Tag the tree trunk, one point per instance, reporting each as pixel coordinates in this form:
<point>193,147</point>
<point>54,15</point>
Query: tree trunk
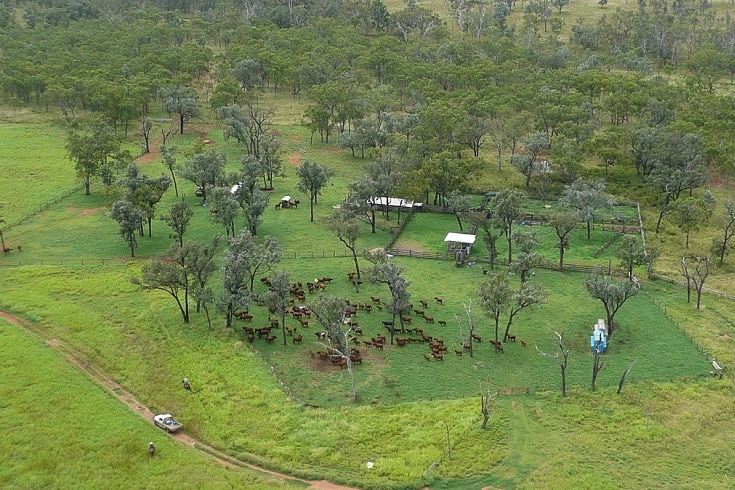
<point>596,368</point>
<point>228,317</point>
<point>209,320</point>
<point>283,324</point>
<point>510,247</point>
<point>561,257</point>
<point>485,412</point>
<point>357,263</point>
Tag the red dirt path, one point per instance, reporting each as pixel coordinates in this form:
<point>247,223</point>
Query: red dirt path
<point>101,379</point>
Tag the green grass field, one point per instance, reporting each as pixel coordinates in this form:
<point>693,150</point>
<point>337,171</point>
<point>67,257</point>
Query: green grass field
<point>63,431</point>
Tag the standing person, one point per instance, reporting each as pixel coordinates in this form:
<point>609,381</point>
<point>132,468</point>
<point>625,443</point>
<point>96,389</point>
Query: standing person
<point>186,384</point>
<point>151,449</point>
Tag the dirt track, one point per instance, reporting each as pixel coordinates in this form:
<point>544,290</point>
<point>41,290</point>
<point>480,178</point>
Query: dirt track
<point>128,399</point>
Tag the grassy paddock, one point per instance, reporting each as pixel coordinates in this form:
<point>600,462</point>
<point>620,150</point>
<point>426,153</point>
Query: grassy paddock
<point>33,155</point>
<point>408,404</point>
<point>67,433</point>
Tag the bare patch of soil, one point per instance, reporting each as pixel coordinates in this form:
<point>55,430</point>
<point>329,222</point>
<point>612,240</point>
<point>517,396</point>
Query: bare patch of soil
<point>410,245</point>
<point>154,144</point>
<point>122,395</point>
<point>294,159</point>
<point>87,212</point>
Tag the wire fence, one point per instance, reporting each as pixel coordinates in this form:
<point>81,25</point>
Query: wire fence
<point>706,353</point>
<point>43,207</point>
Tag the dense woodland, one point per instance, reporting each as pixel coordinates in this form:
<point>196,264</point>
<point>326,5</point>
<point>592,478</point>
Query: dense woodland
<point>644,89</point>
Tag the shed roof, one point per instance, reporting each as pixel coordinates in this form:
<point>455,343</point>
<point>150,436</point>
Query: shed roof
<point>460,238</point>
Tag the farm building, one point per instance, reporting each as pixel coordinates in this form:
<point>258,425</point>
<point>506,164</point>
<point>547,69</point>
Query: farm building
<point>459,242</point>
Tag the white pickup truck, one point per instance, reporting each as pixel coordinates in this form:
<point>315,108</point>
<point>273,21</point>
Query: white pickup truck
<point>167,422</point>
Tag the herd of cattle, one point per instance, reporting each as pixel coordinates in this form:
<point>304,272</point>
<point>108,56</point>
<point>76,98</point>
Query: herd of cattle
<point>409,334</point>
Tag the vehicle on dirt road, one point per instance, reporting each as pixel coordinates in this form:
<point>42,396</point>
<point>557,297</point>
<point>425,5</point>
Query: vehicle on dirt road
<point>167,422</point>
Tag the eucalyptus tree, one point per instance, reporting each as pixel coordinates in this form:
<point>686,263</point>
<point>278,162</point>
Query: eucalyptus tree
<point>145,130</point>
<point>271,157</point>
<point>385,176</point>
<point>691,213</point>
<point>526,259</point>
<point>613,294</point>
<point>223,208</point>
<point>169,160</point>
<point>250,125</point>
<point>527,163</point>
<point>460,203</point>
<point>505,207</point>
<point>205,170</point>
<point>562,357</point>
<point>386,271</point>
<point>563,223</point>
<point>254,212</point>
<point>178,219</point>
<point>539,8</point>
<point>199,261</point>
<point>246,192</point>
<point>129,217</point>
<point>481,221</point>
<point>145,192</point>
<point>249,73</point>
<point>496,297</point>
<point>331,313</point>
<point>361,200</point>
<point>379,15</point>
<point>697,276</point>
<point>587,197</point>
<point>168,276</point>
<point>631,253</point>
<point>525,296</point>
<point>312,178</point>
<point>257,258</point>
<point>227,93</point>
<point>235,294</point>
<point>181,100</point>
<point>414,20</point>
<point>278,297</point>
<point>92,151</point>
<point>726,224</point>
<point>644,142</point>
<point>680,166</point>
<point>345,225</point>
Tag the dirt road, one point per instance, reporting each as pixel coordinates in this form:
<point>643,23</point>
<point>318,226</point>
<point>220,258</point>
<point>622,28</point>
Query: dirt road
<point>128,399</point>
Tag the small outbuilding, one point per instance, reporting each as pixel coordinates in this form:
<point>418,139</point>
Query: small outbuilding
<point>459,242</point>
